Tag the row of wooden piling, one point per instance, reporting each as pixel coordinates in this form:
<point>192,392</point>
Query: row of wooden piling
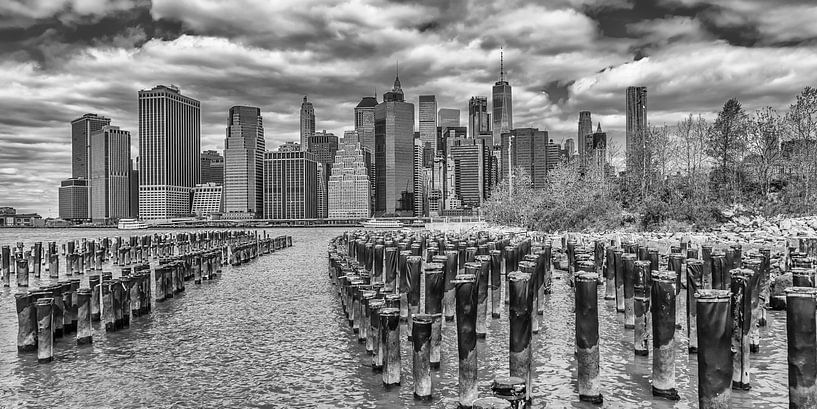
<point>727,293</point>
<point>57,309</point>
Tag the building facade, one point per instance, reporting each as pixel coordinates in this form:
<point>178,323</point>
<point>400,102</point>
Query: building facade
<point>81,129</point>
<point>207,199</point>
<point>244,163</point>
<point>502,104</point>
<point>110,174</point>
<point>349,187</point>
<point>419,179</point>
<point>467,156</point>
<point>73,199</point>
<point>427,112</point>
<point>364,122</point>
<point>290,185</point>
<point>323,145</point>
<point>636,153</point>
<point>479,119</point>
<point>526,149</point>
<point>585,133</point>
<point>307,123</point>
<point>212,168</point>
<point>448,117</point>
<point>394,154</point>
<point>169,148</point>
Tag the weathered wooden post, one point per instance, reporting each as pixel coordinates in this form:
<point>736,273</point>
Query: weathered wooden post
<point>94,282</point>
<point>449,299</point>
<point>520,319</point>
<point>714,326</point>
<point>45,332</point>
<point>742,318</point>
<point>496,283</point>
<point>755,265</point>
<point>628,261</point>
<point>663,330</point>
<point>375,306</point>
<point>390,338</point>
<point>421,367</point>
<point>641,308</point>
<point>466,297</point>
<point>413,272</point>
<point>390,269</point>
<point>5,262</point>
<point>801,338</point>
<point>84,328</point>
<point>587,337</point>
<point>694,284</point>
<point>26,322</point>
<point>483,264</point>
<point>435,288</point>
<point>22,271</point>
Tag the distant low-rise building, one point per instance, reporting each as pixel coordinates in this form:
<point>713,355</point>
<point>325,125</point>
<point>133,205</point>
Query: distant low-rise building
<point>207,199</point>
<point>10,218</point>
<point>73,199</point>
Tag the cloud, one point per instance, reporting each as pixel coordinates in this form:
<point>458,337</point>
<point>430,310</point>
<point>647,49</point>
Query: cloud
<point>67,58</point>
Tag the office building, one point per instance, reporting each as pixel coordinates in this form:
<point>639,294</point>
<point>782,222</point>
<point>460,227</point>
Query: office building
<point>349,187</point>
<point>419,179</point>
<point>364,122</point>
<point>110,174</point>
<point>323,145</point>
<point>570,148</point>
<point>244,148</point>
<point>169,149</point>
<point>637,153</point>
<point>81,129</point>
<point>479,119</point>
<point>526,149</point>
<point>467,155</point>
<point>447,117</point>
<point>134,189</point>
<point>307,123</point>
<point>207,199</point>
<point>585,133</point>
<point>502,102</point>
<point>290,185</point>
<point>427,112</point>
<point>553,155</point>
<point>212,168</point>
<point>600,148</point>
<point>394,154</point>
<point>73,199</point>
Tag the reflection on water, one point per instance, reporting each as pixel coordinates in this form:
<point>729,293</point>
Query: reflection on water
<point>271,334</point>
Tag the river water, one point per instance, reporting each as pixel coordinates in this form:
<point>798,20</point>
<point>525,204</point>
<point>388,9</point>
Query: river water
<point>271,333</point>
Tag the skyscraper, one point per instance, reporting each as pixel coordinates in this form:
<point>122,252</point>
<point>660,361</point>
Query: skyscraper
<point>243,163</point>
<point>526,149</point>
<point>600,148</point>
<point>585,129</point>
<point>448,117</point>
<point>323,145</point>
<point>110,174</point>
<point>637,154</point>
<point>394,153</point>
<point>307,123</point>
<point>419,179</point>
<point>570,148</point>
<point>290,185</point>
<point>349,186</point>
<point>169,147</point>
<point>212,168</point>
<point>207,199</point>
<point>428,120</point>
<point>502,104</point>
<point>468,158</point>
<point>479,119</point>
<point>364,122</point>
<point>81,129</point>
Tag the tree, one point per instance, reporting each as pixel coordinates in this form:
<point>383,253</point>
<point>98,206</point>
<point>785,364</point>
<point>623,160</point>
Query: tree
<point>725,144</point>
<point>765,130</point>
<point>801,158</point>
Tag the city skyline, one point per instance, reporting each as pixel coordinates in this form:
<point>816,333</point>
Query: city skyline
<point>77,59</point>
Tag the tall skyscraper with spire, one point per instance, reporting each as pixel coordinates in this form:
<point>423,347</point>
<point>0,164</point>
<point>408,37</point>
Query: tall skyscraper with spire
<point>307,123</point>
<point>502,103</point>
<point>394,153</point>
<point>364,122</point>
<point>244,149</point>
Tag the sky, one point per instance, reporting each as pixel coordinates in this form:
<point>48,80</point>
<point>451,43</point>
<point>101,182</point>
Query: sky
<point>60,59</point>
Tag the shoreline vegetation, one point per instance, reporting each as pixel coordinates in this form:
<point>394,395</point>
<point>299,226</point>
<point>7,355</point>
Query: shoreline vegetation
<point>750,175</point>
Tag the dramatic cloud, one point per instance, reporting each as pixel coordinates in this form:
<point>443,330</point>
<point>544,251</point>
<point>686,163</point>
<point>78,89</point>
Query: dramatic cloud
<point>61,59</point>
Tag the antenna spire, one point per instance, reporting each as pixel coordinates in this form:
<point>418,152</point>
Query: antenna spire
<point>501,64</point>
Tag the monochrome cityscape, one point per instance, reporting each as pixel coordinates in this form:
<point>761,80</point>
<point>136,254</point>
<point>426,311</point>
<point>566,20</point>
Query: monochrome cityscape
<point>395,160</point>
